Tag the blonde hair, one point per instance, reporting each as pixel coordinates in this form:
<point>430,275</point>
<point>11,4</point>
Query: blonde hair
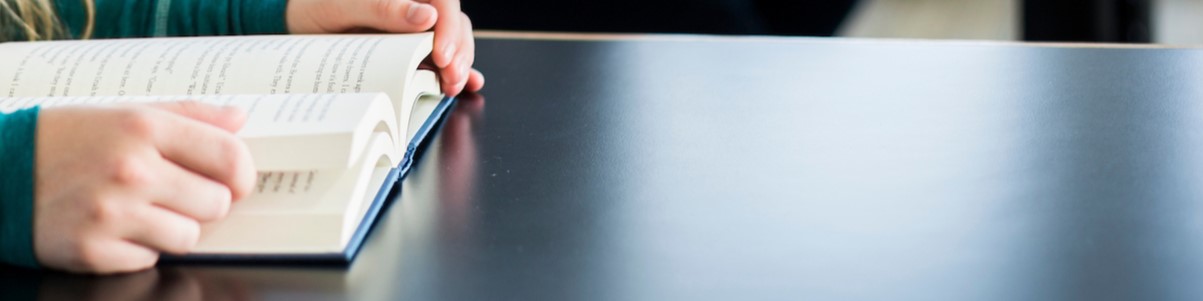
<point>37,20</point>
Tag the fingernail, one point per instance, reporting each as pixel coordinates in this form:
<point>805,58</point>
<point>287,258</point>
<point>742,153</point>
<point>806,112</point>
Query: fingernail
<point>417,14</point>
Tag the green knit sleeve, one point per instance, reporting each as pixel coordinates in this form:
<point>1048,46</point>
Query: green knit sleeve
<point>156,18</point>
<point>17,133</point>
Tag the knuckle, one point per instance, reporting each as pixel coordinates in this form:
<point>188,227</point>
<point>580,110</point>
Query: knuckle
<point>137,122</point>
<point>103,211</point>
<point>131,172</point>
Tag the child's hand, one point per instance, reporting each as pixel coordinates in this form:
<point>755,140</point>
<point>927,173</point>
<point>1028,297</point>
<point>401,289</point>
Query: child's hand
<point>454,49</point>
<point>117,185</point>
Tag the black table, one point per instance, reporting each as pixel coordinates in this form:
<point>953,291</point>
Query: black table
<point>671,168</point>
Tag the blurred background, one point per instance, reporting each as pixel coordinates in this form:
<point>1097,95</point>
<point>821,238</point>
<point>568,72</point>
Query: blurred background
<point>1124,21</point>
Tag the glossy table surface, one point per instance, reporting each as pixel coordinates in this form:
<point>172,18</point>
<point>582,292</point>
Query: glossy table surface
<point>759,168</point>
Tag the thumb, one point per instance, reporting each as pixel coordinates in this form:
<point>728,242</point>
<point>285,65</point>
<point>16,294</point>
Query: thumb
<point>393,15</point>
<point>229,118</point>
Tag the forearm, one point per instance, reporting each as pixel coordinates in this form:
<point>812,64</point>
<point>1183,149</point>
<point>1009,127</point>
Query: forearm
<point>17,133</point>
<point>149,18</point>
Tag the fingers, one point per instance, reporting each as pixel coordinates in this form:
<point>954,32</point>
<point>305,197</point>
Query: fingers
<point>476,81</point>
<point>226,117</point>
<point>454,48</point>
<point>204,149</point>
<point>467,53</point>
<point>179,201</point>
<point>190,194</point>
<point>456,74</point>
<point>447,32</point>
<point>131,181</point>
<point>171,233</point>
<point>123,256</point>
<point>395,15</point>
<point>110,256</point>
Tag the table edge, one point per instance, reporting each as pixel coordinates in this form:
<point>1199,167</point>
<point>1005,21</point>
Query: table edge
<point>579,36</point>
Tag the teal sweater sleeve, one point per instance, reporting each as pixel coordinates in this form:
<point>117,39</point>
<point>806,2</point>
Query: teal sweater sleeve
<point>156,18</point>
<point>17,133</point>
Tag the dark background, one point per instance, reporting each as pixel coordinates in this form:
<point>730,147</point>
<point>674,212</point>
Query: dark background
<point>1043,20</point>
<point>813,18</point>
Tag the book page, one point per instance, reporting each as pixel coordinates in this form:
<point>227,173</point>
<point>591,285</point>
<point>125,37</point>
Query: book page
<point>191,66</point>
<point>302,211</point>
<point>283,132</point>
<point>425,95</point>
<point>291,225</point>
<point>278,64</point>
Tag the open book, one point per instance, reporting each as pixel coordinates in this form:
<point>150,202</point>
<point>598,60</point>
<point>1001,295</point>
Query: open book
<point>332,121</point>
